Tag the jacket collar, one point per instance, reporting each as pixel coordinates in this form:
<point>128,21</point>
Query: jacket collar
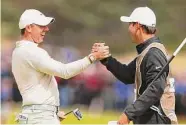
<point>146,43</point>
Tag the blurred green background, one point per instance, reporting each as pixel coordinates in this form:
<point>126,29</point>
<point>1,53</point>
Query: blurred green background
<point>79,23</point>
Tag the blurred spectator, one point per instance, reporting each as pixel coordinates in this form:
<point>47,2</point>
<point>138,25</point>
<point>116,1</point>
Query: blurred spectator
<point>124,94</point>
<point>180,82</point>
<point>66,91</point>
<point>6,75</point>
<point>109,96</point>
<point>92,84</point>
<point>6,88</point>
<point>180,104</point>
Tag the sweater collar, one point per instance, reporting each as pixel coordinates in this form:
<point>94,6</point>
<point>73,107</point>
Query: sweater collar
<point>25,42</point>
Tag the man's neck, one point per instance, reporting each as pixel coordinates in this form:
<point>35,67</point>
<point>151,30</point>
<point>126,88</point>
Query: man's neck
<point>145,37</point>
<point>27,38</point>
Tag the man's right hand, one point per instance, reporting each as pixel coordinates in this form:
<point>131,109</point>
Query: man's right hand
<point>100,51</point>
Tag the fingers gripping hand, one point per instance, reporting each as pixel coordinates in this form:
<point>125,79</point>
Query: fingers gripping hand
<point>101,52</point>
<point>96,46</point>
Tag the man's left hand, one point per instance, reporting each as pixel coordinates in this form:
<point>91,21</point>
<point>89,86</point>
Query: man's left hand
<point>61,115</point>
<point>123,119</point>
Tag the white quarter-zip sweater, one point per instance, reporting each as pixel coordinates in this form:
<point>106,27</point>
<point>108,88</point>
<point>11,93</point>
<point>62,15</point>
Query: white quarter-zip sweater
<point>34,72</point>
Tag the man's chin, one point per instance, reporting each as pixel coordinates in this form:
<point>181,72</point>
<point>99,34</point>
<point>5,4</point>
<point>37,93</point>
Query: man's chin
<point>133,39</point>
<point>40,41</point>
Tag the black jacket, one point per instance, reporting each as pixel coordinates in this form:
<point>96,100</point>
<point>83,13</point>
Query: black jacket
<point>140,111</point>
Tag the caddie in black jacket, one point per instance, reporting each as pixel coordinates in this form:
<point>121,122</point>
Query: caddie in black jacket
<point>140,112</point>
<point>150,106</point>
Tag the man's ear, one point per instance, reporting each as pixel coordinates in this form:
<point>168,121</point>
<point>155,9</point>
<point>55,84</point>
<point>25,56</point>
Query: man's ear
<point>138,25</point>
<point>28,28</point>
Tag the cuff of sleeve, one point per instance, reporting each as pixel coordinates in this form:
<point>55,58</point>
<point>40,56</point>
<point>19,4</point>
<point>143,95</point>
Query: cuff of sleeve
<point>105,60</point>
<point>88,60</point>
<point>129,117</point>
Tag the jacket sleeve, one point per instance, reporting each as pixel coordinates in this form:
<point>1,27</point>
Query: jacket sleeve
<point>155,60</point>
<point>125,73</point>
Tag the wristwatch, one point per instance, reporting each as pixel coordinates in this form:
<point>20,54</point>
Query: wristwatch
<point>91,58</point>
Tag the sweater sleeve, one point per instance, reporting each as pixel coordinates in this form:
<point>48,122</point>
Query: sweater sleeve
<point>44,63</point>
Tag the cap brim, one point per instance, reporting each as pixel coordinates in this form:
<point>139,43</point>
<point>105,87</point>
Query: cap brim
<point>45,21</point>
<point>125,19</point>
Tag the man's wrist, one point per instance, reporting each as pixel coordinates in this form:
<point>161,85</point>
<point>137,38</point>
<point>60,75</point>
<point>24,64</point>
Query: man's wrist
<point>126,117</point>
<point>129,118</point>
<point>105,60</point>
<point>91,58</point>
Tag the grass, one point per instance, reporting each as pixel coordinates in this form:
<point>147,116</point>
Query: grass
<point>88,118</point>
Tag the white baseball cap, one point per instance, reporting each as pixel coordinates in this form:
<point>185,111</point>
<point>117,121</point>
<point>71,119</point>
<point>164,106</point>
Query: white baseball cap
<point>142,15</point>
<point>32,16</point>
